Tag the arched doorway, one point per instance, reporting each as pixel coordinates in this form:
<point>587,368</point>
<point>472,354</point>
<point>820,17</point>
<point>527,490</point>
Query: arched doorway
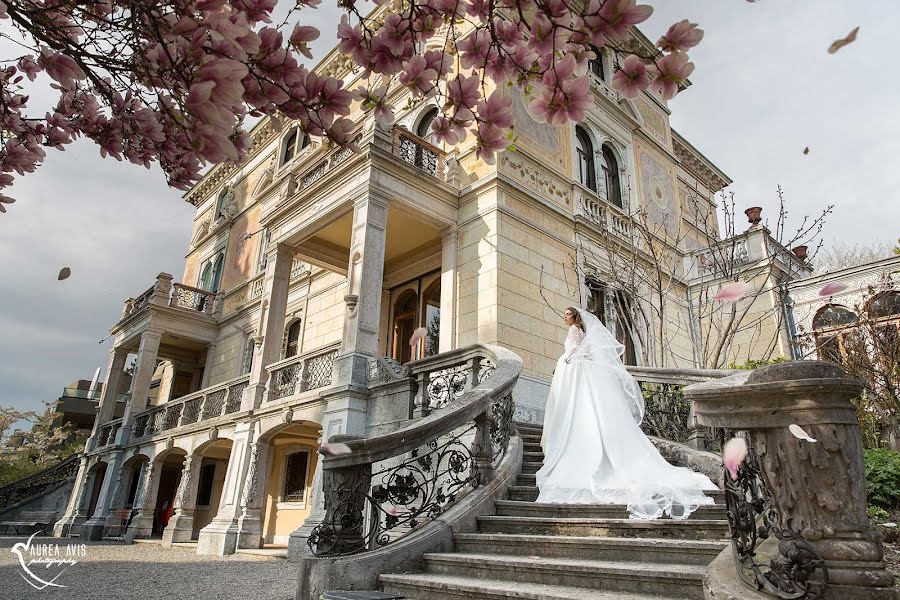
<point>405,323</point>
<point>98,474</point>
<point>291,464</point>
<point>213,465</point>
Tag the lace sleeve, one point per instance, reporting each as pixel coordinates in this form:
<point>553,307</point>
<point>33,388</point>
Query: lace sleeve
<point>573,339</point>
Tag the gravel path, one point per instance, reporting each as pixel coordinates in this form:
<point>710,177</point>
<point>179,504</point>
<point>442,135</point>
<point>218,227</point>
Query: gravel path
<point>149,571</point>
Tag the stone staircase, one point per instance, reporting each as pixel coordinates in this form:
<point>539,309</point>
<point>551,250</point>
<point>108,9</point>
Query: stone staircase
<point>583,552</point>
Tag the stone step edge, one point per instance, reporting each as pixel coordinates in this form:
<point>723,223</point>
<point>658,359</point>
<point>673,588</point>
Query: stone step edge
<point>664,544</point>
<point>575,506</point>
<point>533,488</point>
<point>620,569</point>
<point>490,590</point>
<point>632,523</point>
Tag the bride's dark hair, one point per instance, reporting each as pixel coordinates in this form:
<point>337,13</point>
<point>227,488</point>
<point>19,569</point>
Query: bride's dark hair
<point>577,315</point>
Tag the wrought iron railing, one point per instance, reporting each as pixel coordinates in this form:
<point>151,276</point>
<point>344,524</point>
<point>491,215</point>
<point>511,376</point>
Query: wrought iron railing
<point>32,485</point>
<point>390,485</point>
<point>206,404</point>
<point>752,518</point>
<point>186,296</point>
<point>419,153</point>
<point>301,373</point>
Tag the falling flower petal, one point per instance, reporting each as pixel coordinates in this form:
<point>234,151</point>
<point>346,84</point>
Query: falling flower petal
<point>798,433</point>
<point>806,150</point>
<point>838,44</point>
<point>732,292</point>
<point>417,335</point>
<point>733,455</point>
<point>64,273</point>
<point>832,288</point>
<point>336,449</point>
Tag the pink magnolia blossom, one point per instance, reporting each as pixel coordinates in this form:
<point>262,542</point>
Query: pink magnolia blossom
<point>29,66</point>
<point>617,16</point>
<point>680,37</point>
<point>300,38</point>
<point>448,130</point>
<point>799,433</point>
<point>732,292</point>
<point>418,77</point>
<point>733,454</point>
<point>631,78</point>
<point>672,70</point>
<point>463,94</point>
<point>64,273</point>
<point>377,99</point>
<point>417,336</point>
<point>335,449</point>
<point>61,68</point>
<point>496,111</point>
<point>488,141</point>
<point>834,287</point>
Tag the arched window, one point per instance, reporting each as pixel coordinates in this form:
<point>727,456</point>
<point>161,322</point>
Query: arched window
<point>405,320</point>
<point>611,176</point>
<point>833,315</point>
<point>292,347</point>
<point>423,129</point>
<point>290,146</point>
<point>218,264</point>
<point>595,65</point>
<point>613,308</point>
<point>585,156</point>
<point>211,273</point>
<point>220,202</point>
<point>432,313</point>
<point>886,304</point>
<point>294,142</point>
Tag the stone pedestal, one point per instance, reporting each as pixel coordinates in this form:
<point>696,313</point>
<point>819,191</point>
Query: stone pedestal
<point>93,528</point>
<point>145,501</point>
<point>250,522</point>
<point>818,488</point>
<point>181,526</point>
<point>76,510</point>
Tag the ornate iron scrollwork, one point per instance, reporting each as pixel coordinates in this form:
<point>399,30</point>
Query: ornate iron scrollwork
<point>501,425</point>
<point>401,497</point>
<point>447,385</point>
<point>752,517</point>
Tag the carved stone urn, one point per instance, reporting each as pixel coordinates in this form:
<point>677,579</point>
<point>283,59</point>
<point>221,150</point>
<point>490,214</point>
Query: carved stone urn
<point>817,488</point>
<point>754,215</point>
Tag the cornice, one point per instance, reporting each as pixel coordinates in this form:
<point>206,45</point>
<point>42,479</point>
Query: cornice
<point>700,166</point>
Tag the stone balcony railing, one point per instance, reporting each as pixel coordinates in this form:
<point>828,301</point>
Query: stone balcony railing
<point>201,406</point>
<point>608,217</point>
<point>107,434</point>
<point>297,374</point>
<point>177,295</point>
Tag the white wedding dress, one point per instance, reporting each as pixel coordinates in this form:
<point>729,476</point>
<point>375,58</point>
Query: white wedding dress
<point>594,449</point>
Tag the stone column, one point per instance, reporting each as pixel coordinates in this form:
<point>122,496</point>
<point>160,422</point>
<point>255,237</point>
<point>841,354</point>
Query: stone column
<point>364,277</point>
<point>220,537</point>
<point>181,525</point>
<point>345,414</point>
<point>254,497</point>
<point>107,408</point>
<point>73,517</point>
<point>140,384</point>
<point>275,292</point>
<point>145,501</point>
<point>92,529</point>
<point>818,488</point>
<point>449,248</point>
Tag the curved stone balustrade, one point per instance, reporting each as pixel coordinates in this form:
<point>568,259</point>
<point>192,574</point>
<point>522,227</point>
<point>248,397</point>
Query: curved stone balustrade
<point>42,480</point>
<point>814,492</point>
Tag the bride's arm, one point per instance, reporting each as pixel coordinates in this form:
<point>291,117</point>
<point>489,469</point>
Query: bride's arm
<point>575,340</point>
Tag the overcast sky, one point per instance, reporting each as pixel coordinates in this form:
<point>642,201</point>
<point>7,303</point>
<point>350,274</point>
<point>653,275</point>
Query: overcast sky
<point>764,88</point>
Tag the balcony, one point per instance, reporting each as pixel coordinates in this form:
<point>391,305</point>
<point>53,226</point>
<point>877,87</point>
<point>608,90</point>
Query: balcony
<point>297,374</point>
<point>178,295</point>
<point>610,219</point>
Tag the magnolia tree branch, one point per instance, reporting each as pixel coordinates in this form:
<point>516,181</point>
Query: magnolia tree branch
<point>173,82</point>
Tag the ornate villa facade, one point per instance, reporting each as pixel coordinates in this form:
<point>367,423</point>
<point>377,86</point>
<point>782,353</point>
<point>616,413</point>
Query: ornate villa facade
<point>309,262</point>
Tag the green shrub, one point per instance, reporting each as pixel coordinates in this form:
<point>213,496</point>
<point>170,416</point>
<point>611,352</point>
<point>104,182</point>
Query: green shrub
<point>755,364</point>
<point>876,513</point>
<point>883,477</point>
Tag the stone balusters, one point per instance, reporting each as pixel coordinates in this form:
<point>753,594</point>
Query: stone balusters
<point>817,488</point>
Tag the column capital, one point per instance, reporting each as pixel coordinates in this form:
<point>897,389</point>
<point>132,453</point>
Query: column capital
<point>449,233</point>
<point>371,199</point>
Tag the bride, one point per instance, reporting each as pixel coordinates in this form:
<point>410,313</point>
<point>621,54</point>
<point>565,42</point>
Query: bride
<point>594,449</point>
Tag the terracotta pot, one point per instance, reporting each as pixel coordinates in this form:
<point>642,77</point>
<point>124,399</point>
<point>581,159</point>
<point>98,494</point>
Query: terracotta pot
<point>754,214</point>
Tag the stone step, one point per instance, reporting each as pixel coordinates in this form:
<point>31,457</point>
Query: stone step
<point>531,467</point>
<point>518,508</point>
<point>645,578</point>
<point>526,489</point>
<point>536,456</point>
<point>688,529</point>
<point>646,550</point>
<point>428,586</point>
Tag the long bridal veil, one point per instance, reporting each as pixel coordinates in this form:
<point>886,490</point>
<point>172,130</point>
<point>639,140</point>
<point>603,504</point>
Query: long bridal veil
<point>594,449</point>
